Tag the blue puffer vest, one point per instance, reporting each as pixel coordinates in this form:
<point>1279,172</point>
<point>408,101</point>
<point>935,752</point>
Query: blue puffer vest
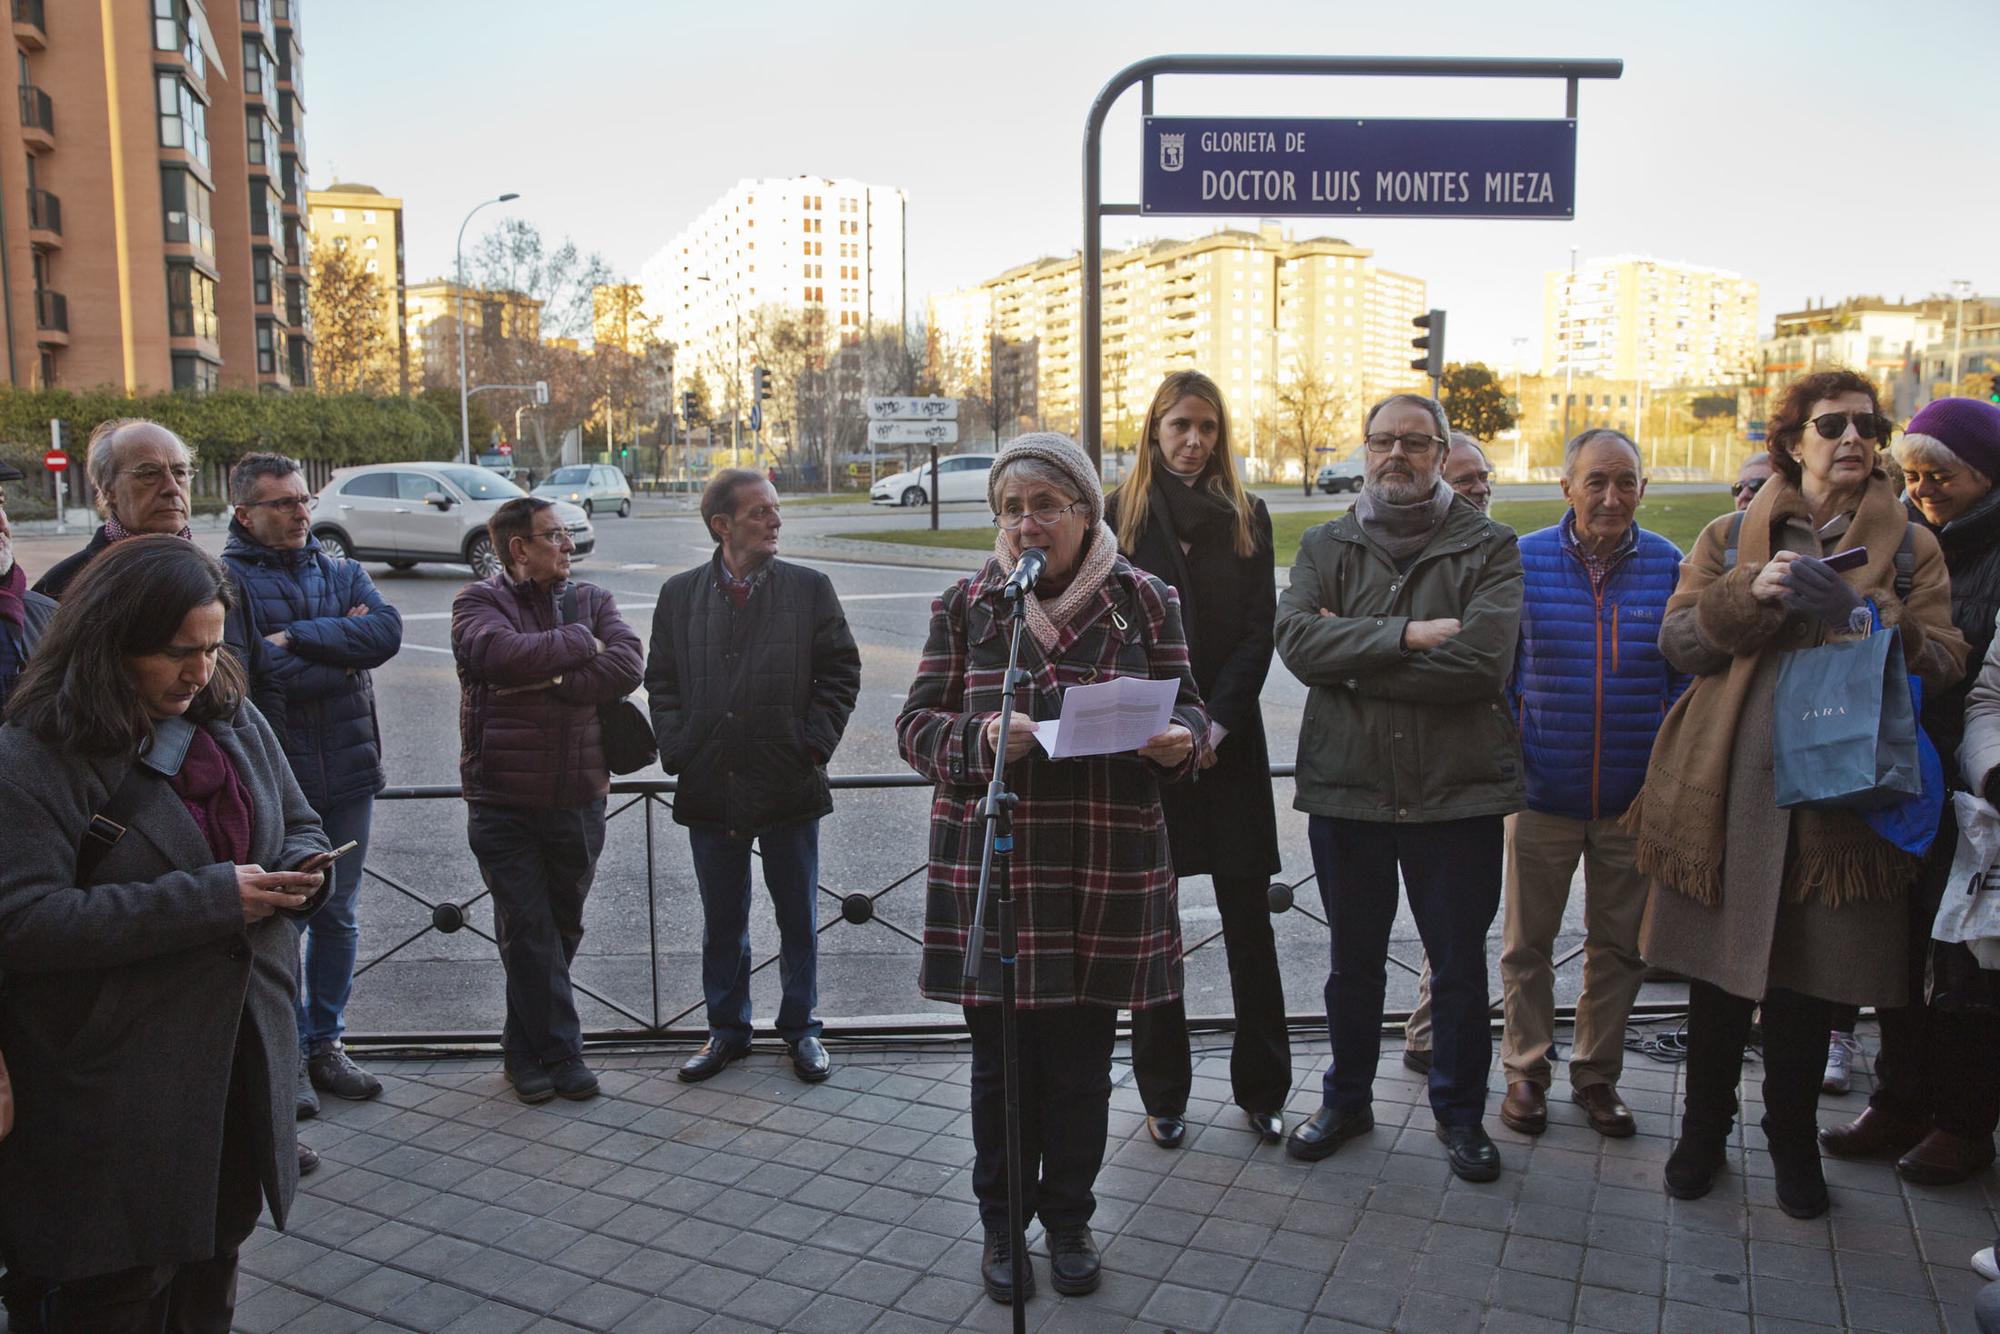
<point>1590,686</point>
<point>316,693</point>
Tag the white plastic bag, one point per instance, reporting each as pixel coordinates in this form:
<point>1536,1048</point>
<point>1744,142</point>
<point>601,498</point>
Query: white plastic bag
<point>1970,910</point>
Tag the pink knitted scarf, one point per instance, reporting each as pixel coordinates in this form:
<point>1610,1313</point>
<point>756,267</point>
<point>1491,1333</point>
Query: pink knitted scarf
<point>1046,620</point>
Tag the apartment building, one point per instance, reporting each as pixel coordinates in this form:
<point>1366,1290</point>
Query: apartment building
<point>432,311</point>
<point>1631,317</point>
<point>151,211</point>
<point>1884,340</point>
<point>368,225</point>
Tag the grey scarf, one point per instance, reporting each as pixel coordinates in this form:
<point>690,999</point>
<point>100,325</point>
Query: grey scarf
<point>1403,530</point>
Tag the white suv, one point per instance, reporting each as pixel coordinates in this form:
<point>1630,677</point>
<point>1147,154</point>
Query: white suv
<point>436,513</point>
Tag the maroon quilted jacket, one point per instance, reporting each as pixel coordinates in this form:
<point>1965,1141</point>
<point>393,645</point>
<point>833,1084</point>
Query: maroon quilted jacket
<point>537,747</point>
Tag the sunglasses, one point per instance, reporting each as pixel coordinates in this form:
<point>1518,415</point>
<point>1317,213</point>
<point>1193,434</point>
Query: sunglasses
<point>1739,489</point>
<point>1867,425</point>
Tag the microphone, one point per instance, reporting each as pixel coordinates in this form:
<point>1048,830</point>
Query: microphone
<point>1027,569</point>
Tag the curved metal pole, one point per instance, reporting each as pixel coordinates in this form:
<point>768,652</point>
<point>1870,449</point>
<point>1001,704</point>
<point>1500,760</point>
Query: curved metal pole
<point>458,267</point>
<point>1090,404</point>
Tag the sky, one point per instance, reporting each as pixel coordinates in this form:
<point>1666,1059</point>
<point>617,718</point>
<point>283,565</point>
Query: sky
<point>1823,148</point>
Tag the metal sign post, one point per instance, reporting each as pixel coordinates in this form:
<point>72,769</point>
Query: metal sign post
<point>57,462</point>
<point>929,421</point>
<point>1328,167</point>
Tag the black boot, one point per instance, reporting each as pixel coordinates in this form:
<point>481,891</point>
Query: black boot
<point>1701,1153</point>
<point>1795,1160</point>
<point>1718,1023</point>
<point>1795,1028</point>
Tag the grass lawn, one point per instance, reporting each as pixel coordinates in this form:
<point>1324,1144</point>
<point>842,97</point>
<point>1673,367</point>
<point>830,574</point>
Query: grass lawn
<point>1679,518</point>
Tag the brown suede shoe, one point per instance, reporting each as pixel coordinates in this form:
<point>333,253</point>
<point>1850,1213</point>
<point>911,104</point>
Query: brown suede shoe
<point>1945,1159</point>
<point>1608,1114</point>
<point>1870,1135</point>
<point>1525,1108</point>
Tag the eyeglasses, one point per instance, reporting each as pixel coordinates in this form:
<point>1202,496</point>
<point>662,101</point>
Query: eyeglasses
<point>295,503</point>
<point>1868,425</point>
<point>1044,518</point>
<point>1741,489</point>
<point>555,537</point>
<point>1416,446</point>
<point>152,474</point>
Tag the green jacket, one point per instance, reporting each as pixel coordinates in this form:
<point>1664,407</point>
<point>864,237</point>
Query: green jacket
<point>1396,736</point>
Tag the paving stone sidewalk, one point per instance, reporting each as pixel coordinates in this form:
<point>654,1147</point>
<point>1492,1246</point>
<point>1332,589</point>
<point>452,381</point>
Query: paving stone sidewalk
<point>756,1202</point>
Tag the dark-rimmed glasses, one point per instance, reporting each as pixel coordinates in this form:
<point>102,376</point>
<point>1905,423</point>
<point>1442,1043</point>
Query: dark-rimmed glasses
<point>1868,425</point>
<point>1416,446</point>
<point>295,503</point>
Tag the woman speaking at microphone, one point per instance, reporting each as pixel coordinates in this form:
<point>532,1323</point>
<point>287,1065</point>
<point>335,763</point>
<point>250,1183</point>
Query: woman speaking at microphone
<point>1090,871</point>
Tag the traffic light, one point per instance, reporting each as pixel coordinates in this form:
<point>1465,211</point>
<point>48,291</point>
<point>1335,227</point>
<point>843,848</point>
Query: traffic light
<point>760,394</point>
<point>1430,343</point>
<point>687,407</point>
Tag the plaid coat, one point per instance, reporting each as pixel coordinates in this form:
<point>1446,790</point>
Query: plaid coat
<point>1097,910</point>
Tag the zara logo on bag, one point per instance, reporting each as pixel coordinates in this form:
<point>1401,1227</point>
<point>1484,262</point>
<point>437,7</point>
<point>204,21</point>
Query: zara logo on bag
<point>1836,712</point>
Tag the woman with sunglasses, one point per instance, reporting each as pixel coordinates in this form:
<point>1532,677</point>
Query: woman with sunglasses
<point>1793,910</point>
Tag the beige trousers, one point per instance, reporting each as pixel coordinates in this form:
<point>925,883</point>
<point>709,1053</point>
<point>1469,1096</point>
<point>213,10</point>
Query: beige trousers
<point>1541,865</point>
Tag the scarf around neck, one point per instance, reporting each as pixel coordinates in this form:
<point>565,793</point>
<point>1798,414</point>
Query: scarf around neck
<point>214,795</point>
<point>1198,515</point>
<point>1046,620</point>
<point>1406,529</point>
<point>115,531</point>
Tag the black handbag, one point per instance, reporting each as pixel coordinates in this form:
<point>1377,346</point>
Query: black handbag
<point>629,744</point>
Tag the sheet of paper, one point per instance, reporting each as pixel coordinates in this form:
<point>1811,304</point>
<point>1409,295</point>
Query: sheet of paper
<point>1116,716</point>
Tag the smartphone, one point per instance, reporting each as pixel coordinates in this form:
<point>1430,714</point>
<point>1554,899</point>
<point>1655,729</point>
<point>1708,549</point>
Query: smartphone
<point>1851,559</point>
<point>320,861</point>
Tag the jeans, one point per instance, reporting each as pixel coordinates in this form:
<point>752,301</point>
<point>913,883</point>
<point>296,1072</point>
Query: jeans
<point>326,978</point>
<point>1260,1055</point>
<point>538,864</point>
<point>1065,1098</point>
<point>791,874</point>
<point>1452,871</point>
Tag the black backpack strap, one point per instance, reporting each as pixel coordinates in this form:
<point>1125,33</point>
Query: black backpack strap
<point>1729,543</point>
<point>109,824</point>
<point>1906,563</point>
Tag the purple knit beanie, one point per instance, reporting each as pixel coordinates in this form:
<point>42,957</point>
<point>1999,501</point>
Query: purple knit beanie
<point>1966,427</point>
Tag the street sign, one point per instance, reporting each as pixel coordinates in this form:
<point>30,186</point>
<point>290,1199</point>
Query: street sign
<point>506,450</point>
<point>1279,167</point>
<point>912,409</point>
<point>1755,436</point>
<point>541,391</point>
<point>913,432</point>
<point>55,461</point>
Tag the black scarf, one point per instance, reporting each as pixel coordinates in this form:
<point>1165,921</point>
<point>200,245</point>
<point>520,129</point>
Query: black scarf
<point>1199,516</point>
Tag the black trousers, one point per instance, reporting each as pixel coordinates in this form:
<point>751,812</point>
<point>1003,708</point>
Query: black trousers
<point>1065,1111</point>
<point>539,865</point>
<point>1794,1034</point>
<point>1260,1056</point>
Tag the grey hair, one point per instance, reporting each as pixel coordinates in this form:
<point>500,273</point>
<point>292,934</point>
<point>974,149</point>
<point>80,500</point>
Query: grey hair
<point>1466,440</point>
<point>1589,434</point>
<point>1036,470</point>
<point>1926,451</point>
<point>101,460</point>
<point>243,477</point>
<point>1424,401</point>
<point>1762,456</point>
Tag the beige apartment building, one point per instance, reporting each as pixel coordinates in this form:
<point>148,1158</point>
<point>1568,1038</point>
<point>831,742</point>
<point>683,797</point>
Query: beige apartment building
<point>1629,317</point>
<point>1251,309</point>
<point>368,224</point>
<point>1884,340</point>
<point>432,312</point>
<point>152,228</point>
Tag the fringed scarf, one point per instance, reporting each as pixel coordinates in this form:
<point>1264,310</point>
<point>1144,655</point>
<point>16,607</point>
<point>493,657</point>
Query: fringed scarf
<point>1046,620</point>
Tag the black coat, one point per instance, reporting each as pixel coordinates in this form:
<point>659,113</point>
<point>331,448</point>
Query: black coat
<point>52,584</point>
<point>1971,545</point>
<point>749,705</point>
<point>1223,823</point>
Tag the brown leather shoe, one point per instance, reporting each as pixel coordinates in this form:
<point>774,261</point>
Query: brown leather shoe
<point>1607,1112</point>
<point>1945,1159</point>
<point>1525,1108</point>
<point>1871,1134</point>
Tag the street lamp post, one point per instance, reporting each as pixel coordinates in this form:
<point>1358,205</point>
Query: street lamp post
<point>736,382</point>
<point>1569,345</point>
<point>464,399</point>
<point>1960,288</point>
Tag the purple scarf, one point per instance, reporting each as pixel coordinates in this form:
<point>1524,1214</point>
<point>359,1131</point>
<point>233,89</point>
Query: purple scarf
<point>208,786</point>
<point>115,530</point>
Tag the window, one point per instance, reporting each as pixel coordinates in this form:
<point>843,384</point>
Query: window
<point>172,32</point>
<point>263,145</point>
<point>183,119</point>
<point>186,204</point>
<point>368,215</point>
<point>260,277</point>
<point>373,266</point>
<point>190,302</point>
<point>340,215</point>
<point>372,243</point>
<point>195,374</point>
<point>375,485</point>
<point>267,348</point>
<point>415,486</point>
<point>259,80</point>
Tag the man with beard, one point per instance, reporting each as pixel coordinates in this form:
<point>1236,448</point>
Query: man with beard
<point>1402,617</point>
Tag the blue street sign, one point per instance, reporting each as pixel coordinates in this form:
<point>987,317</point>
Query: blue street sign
<point>1378,168</point>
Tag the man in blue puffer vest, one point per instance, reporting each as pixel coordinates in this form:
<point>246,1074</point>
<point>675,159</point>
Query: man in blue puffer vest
<point>308,632</point>
<point>1589,690</point>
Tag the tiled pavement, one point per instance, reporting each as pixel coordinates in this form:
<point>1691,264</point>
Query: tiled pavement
<point>755,1202</point>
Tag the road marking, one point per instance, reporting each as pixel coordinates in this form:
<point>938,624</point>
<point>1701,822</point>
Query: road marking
<point>881,597</point>
<point>426,648</point>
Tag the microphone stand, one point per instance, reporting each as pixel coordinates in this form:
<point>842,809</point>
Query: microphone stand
<point>996,809</point>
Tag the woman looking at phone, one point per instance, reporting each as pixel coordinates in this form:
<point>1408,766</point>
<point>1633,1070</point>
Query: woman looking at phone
<point>146,975</point>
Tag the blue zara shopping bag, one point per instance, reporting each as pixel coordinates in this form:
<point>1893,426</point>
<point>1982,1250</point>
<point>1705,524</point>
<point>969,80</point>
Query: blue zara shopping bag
<point>1845,733</point>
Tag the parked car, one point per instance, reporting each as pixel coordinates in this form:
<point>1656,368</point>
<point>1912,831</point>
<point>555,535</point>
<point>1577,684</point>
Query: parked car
<point>431,513</point>
<point>963,477</point>
<point>594,486</point>
<point>1342,476</point>
<point>500,463</point>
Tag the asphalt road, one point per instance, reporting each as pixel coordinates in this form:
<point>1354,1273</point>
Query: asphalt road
<point>422,981</point>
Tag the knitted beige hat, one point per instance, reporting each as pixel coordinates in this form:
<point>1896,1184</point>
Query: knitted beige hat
<point>1059,452</point>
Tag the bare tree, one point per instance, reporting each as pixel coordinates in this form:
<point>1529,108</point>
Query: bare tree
<point>1310,410</point>
<point>352,343</point>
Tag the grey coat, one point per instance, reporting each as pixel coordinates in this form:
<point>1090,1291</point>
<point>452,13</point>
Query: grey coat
<point>122,1005</point>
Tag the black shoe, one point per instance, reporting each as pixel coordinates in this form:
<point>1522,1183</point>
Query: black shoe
<point>1169,1132</point>
<point>1074,1268</point>
<point>1417,1059</point>
<point>531,1083</point>
<point>1801,1180</point>
<point>1270,1127</point>
<point>308,1161</point>
<point>331,1071</point>
<point>713,1058</point>
<point>1691,1167</point>
<point>810,1061</point>
<point>573,1079</point>
<point>1326,1130</point>
<point>996,1269</point>
<point>308,1105</point>
<point>1473,1156</point>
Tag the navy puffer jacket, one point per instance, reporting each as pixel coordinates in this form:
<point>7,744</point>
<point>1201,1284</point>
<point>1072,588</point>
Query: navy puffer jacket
<point>316,692</point>
<point>1590,685</point>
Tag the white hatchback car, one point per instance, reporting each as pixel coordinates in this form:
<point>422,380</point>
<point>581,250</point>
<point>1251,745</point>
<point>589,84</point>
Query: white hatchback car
<point>595,486</point>
<point>431,513</point>
<point>963,477</point>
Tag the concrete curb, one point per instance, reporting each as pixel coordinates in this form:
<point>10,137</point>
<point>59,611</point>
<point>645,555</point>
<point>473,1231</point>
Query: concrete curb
<point>886,553</point>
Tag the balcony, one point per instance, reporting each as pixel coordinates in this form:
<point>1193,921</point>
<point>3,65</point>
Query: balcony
<point>44,218</point>
<point>38,117</point>
<point>31,28</point>
<point>51,317</point>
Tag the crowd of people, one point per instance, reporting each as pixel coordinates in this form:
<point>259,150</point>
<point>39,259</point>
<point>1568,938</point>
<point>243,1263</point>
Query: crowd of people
<point>191,754</point>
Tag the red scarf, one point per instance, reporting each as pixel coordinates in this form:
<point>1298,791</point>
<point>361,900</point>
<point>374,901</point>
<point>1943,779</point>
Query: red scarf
<point>208,786</point>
